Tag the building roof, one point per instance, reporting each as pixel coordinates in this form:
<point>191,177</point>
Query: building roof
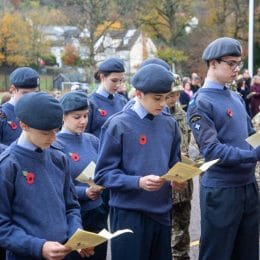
<point>119,40</point>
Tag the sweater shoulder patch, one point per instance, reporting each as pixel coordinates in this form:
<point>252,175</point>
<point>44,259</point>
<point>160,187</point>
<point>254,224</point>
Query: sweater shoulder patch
<point>195,118</point>
<point>4,155</point>
<point>57,145</point>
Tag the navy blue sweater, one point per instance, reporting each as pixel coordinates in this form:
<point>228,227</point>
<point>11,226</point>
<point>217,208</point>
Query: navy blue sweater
<point>220,125</point>
<point>132,147</point>
<point>86,147</point>
<point>38,208</point>
<point>101,108</point>
<point>10,128</point>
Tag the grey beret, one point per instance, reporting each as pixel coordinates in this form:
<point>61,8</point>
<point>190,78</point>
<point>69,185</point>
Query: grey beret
<point>153,78</point>
<point>25,77</point>
<point>222,47</point>
<point>73,101</point>
<point>112,65</point>
<point>155,61</point>
<point>40,111</point>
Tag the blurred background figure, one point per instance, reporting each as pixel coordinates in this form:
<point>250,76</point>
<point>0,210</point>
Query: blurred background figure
<point>195,82</point>
<point>186,93</point>
<point>255,95</point>
<point>247,77</point>
<point>56,94</point>
<point>244,91</point>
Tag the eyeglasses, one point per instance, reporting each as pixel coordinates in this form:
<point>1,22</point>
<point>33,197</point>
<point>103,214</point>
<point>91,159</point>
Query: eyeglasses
<point>233,64</point>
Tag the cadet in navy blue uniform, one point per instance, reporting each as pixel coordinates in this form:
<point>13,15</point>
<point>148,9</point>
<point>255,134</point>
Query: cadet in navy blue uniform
<point>137,146</point>
<point>148,61</point>
<point>229,194</point>
<point>82,148</point>
<point>105,101</point>
<point>23,80</point>
<point>39,210</point>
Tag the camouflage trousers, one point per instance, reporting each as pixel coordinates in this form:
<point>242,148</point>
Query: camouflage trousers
<point>181,213</point>
<point>180,230</point>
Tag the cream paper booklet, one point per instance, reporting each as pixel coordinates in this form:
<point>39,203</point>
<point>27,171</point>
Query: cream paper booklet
<point>182,171</point>
<point>87,176</point>
<point>254,140</point>
<point>84,239</point>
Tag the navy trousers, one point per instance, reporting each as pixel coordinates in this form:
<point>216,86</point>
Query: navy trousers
<point>95,220</point>
<point>150,240</point>
<point>229,223</point>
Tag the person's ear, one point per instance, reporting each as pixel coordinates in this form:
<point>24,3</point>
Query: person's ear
<point>139,94</point>
<point>213,63</point>
<point>24,126</point>
<point>13,89</point>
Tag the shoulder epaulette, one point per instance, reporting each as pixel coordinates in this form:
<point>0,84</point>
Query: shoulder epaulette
<point>4,155</point>
<point>166,113</point>
<point>56,145</point>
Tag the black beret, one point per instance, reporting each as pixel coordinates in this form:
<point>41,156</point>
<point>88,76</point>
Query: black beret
<point>112,65</point>
<point>222,47</point>
<point>25,77</point>
<point>40,111</point>
<point>153,78</point>
<point>73,101</point>
<point>155,61</point>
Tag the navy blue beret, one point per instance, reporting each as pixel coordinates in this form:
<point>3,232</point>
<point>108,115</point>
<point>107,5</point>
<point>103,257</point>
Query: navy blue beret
<point>153,78</point>
<point>25,77</point>
<point>40,111</point>
<point>155,61</point>
<point>222,47</point>
<point>112,65</point>
<point>73,101</point>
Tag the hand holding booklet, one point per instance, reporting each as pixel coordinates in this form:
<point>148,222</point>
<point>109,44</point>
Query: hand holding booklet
<point>182,172</point>
<point>254,140</point>
<point>83,239</point>
<point>87,176</point>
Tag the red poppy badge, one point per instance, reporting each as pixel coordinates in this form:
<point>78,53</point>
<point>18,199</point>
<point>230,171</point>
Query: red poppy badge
<point>12,124</point>
<point>74,157</point>
<point>29,177</point>
<point>142,139</point>
<point>102,112</point>
<point>229,112</point>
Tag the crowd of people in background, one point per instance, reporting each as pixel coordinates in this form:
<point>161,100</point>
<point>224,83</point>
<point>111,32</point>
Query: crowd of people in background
<point>134,134</point>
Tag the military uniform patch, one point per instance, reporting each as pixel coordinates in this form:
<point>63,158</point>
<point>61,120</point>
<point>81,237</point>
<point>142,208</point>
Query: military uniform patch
<point>197,127</point>
<point>195,118</point>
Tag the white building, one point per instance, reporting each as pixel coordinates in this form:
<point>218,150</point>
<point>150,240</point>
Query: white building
<point>130,45</point>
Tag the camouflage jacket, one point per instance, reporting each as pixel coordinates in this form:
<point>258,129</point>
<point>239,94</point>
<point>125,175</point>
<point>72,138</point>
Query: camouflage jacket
<point>180,116</point>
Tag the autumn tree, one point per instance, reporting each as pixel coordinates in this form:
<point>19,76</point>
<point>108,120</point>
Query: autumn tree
<point>165,21</point>
<point>37,18</point>
<point>14,40</point>
<point>70,56</point>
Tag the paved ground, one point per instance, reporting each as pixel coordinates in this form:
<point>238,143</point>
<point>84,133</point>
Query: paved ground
<point>195,221</point>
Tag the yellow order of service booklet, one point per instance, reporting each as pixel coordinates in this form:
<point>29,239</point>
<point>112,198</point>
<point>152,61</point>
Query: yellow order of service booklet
<point>87,176</point>
<point>254,140</point>
<point>182,171</point>
<point>83,239</point>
